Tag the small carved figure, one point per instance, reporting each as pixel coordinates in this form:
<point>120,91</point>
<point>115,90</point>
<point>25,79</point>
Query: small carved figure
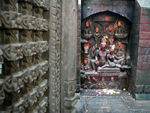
<point>94,54</point>
<point>112,84</point>
<point>95,41</point>
<point>121,31</point>
<point>87,33</point>
<point>86,64</point>
<point>113,59</point>
<point>86,48</point>
<point>110,29</point>
<point>97,34</point>
<point>102,84</point>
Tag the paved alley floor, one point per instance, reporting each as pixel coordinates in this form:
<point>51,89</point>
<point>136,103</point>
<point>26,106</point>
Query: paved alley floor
<point>122,103</point>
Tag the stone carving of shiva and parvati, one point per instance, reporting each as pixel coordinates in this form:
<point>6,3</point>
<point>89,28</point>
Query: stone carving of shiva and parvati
<point>104,50</point>
<point>104,54</point>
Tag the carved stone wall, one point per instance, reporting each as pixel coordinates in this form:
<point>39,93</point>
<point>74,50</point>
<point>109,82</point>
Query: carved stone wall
<point>24,37</point>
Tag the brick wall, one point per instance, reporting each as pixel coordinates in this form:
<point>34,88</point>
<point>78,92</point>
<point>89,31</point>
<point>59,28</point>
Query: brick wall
<point>143,60</point>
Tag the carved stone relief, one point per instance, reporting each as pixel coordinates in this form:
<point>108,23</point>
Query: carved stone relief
<point>16,51</point>
<point>24,78</point>
<point>104,51</point>
<point>38,3</point>
<point>38,12</point>
<point>55,56</point>
<point>8,5</point>
<point>25,36</point>
<point>1,57</point>
<point>37,36</point>
<point>2,94</point>
<point>25,8</point>
<point>12,52</point>
<point>10,67</point>
<point>17,20</point>
<point>9,36</point>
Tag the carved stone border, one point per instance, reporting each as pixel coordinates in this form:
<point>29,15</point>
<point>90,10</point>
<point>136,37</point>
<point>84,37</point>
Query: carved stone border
<point>11,19</point>
<point>54,56</point>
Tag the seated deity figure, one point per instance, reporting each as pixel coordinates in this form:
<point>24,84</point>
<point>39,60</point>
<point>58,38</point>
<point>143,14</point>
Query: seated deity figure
<point>103,52</point>
<point>87,82</point>
<point>113,59</point>
<point>86,64</point>
<point>112,83</point>
<point>99,56</point>
<point>102,83</point>
<point>87,33</point>
<point>120,52</point>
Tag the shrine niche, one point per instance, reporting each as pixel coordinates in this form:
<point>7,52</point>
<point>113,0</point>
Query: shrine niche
<point>105,51</point>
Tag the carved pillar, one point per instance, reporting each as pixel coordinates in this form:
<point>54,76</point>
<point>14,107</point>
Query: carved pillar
<point>68,56</point>
<point>54,56</point>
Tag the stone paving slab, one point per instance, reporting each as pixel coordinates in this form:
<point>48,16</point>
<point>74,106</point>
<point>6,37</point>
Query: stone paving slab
<point>123,103</point>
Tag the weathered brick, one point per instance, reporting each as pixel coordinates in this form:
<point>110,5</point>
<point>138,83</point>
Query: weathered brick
<point>144,58</point>
<point>139,72</point>
<point>145,28</point>
<point>143,66</point>
<point>144,43</point>
<point>145,35</point>
<point>145,20</point>
<point>143,51</point>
